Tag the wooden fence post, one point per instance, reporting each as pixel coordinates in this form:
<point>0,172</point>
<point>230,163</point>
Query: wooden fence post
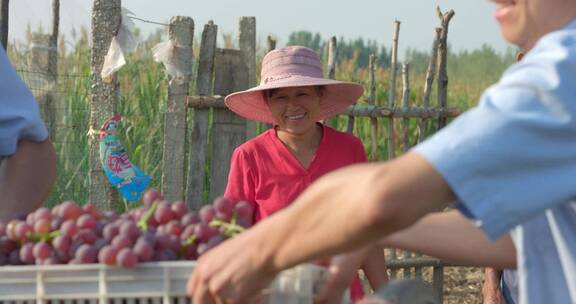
<point>442,74</point>
<point>405,106</point>
<point>270,44</point>
<point>438,272</point>
<point>438,282</point>
<point>181,32</point>
<point>57,102</point>
<point>406,139</point>
<point>4,15</point>
<point>392,88</point>
<point>331,67</point>
<point>55,21</point>
<point>199,139</point>
<point>372,101</point>
<point>106,17</point>
<point>247,44</point>
<point>391,98</point>
<point>430,72</point>
<point>228,129</point>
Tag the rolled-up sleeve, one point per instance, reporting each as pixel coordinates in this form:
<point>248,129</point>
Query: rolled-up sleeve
<point>514,155</point>
<point>19,113</point>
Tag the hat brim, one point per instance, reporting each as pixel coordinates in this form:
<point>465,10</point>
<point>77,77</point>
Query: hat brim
<point>338,95</point>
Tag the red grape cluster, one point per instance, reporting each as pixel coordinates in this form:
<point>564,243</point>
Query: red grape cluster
<point>157,231</point>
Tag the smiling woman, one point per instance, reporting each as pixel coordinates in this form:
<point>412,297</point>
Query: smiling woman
<point>271,170</point>
<point>296,111</point>
<point>294,97</point>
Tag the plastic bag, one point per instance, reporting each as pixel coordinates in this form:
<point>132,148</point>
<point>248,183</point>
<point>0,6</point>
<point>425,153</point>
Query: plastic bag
<point>121,173</point>
<point>114,60</point>
<point>126,37</point>
<point>178,66</point>
<point>123,43</point>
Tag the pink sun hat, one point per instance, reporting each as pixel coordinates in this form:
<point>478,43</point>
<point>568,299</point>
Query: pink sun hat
<point>293,66</point>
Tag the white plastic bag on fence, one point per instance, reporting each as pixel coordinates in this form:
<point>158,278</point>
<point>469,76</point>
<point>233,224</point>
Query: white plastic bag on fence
<point>178,65</point>
<point>123,43</point>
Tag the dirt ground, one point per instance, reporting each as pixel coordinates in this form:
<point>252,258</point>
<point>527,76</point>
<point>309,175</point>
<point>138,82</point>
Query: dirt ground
<point>462,285</point>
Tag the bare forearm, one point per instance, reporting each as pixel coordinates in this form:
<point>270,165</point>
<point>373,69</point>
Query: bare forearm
<point>452,237</point>
<point>26,177</point>
<point>492,279</point>
<point>344,268</point>
<point>491,292</point>
<point>352,207</point>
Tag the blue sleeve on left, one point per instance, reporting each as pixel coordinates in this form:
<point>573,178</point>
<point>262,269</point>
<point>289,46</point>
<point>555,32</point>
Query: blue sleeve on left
<point>19,113</point>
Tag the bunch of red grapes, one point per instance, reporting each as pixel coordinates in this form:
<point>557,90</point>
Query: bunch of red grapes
<point>157,231</point>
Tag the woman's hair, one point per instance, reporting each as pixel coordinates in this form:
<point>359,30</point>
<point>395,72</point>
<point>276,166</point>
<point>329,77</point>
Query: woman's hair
<point>268,93</point>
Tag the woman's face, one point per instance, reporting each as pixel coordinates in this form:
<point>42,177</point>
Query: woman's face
<point>523,22</point>
<point>295,110</point>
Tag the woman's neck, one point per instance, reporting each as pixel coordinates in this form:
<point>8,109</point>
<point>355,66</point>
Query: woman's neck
<point>301,143</point>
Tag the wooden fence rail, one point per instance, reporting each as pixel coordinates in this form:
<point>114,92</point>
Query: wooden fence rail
<point>358,110</point>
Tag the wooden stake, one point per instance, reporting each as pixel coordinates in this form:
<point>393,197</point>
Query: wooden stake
<point>332,55</point>
<point>405,106</point>
<point>442,74</point>
<point>392,88</point>
<point>372,101</point>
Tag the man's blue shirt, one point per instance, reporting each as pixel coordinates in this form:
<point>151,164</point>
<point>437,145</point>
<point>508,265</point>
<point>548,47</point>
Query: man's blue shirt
<point>511,161</point>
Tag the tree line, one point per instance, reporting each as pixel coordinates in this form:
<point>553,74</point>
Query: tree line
<point>479,62</point>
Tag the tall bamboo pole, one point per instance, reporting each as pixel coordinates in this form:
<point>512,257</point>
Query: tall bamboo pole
<point>372,101</point>
<point>4,9</point>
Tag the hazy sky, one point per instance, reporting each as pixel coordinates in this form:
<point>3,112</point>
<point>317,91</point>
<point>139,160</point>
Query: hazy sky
<point>472,26</point>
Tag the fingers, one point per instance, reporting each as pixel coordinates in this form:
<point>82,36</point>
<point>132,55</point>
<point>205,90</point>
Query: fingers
<point>227,274</point>
<point>333,287</point>
<point>202,295</point>
<point>197,287</point>
<point>217,287</point>
<point>191,285</point>
<point>207,289</point>
<point>373,300</point>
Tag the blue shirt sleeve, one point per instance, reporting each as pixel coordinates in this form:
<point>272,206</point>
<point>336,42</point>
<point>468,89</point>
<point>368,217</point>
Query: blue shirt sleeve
<point>514,155</point>
<point>19,113</point>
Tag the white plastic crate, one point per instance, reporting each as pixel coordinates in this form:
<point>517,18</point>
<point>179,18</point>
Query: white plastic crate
<point>158,282</point>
